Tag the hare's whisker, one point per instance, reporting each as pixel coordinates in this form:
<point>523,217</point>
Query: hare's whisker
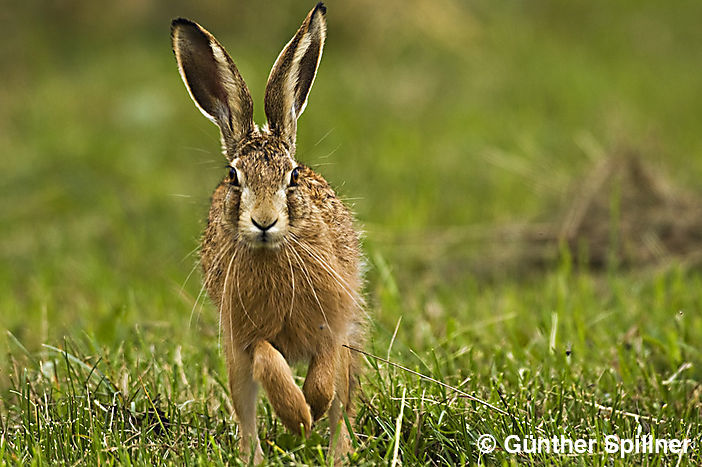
<point>324,137</point>
<point>195,148</point>
<point>187,278</point>
<point>182,288</point>
<point>192,310</point>
<point>292,275</point>
<point>218,258</point>
<point>306,273</point>
<point>238,292</point>
<point>229,313</point>
<point>331,153</point>
<point>190,253</point>
<point>320,261</point>
<point>326,266</point>
<point>224,296</point>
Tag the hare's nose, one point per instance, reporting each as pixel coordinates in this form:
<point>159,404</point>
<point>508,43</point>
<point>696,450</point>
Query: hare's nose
<point>263,226</point>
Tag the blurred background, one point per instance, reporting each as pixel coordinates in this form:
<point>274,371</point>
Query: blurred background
<point>439,121</point>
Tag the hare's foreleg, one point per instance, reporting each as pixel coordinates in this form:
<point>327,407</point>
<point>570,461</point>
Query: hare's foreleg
<point>272,371</point>
<point>340,443</point>
<point>319,382</point>
<point>244,391</point>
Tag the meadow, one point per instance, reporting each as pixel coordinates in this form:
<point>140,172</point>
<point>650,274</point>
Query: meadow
<point>440,122</point>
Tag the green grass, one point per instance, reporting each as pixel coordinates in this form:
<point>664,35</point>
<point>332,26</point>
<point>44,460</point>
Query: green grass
<point>432,119</point>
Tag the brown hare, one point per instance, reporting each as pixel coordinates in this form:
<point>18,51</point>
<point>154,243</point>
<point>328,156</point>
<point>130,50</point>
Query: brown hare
<point>280,254</point>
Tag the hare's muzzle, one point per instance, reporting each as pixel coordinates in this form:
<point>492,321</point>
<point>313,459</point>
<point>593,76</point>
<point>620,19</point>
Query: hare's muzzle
<point>265,225</point>
<point>263,231</point>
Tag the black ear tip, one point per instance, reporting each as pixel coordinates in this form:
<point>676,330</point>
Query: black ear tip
<point>321,7</point>
<point>181,22</point>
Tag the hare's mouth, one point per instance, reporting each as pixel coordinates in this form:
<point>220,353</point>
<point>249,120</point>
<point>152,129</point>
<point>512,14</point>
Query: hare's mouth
<point>266,240</point>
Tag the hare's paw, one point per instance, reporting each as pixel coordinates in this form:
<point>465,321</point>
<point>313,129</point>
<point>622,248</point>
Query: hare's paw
<point>319,383</point>
<point>273,373</point>
<point>249,446</point>
<point>294,412</point>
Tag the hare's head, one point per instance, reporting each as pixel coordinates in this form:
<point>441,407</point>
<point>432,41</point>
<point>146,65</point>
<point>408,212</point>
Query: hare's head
<point>267,194</point>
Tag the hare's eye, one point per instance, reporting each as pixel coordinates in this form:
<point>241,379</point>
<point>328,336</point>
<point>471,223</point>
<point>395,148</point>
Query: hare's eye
<point>295,176</point>
<point>233,179</point>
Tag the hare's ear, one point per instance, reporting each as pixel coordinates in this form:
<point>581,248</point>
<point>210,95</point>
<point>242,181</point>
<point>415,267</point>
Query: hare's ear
<point>212,80</point>
<point>293,74</point>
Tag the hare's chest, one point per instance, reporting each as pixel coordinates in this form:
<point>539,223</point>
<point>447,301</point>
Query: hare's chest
<point>313,321</point>
<point>298,309</point>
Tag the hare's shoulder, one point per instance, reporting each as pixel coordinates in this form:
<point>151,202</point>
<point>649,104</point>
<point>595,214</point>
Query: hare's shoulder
<point>345,237</point>
<point>217,200</point>
<point>334,212</point>
<point>213,236</point>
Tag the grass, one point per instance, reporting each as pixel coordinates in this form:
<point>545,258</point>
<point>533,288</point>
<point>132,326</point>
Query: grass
<point>430,118</point>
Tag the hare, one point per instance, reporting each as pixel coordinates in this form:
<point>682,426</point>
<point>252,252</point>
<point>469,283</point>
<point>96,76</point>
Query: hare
<point>280,255</point>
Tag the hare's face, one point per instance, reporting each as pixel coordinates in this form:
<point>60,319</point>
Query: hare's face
<point>263,204</point>
<point>263,181</point>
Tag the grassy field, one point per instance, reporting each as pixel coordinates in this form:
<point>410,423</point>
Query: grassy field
<point>434,119</point>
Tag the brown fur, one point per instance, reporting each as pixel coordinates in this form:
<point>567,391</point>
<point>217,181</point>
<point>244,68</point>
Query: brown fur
<point>273,373</point>
<point>289,292</point>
